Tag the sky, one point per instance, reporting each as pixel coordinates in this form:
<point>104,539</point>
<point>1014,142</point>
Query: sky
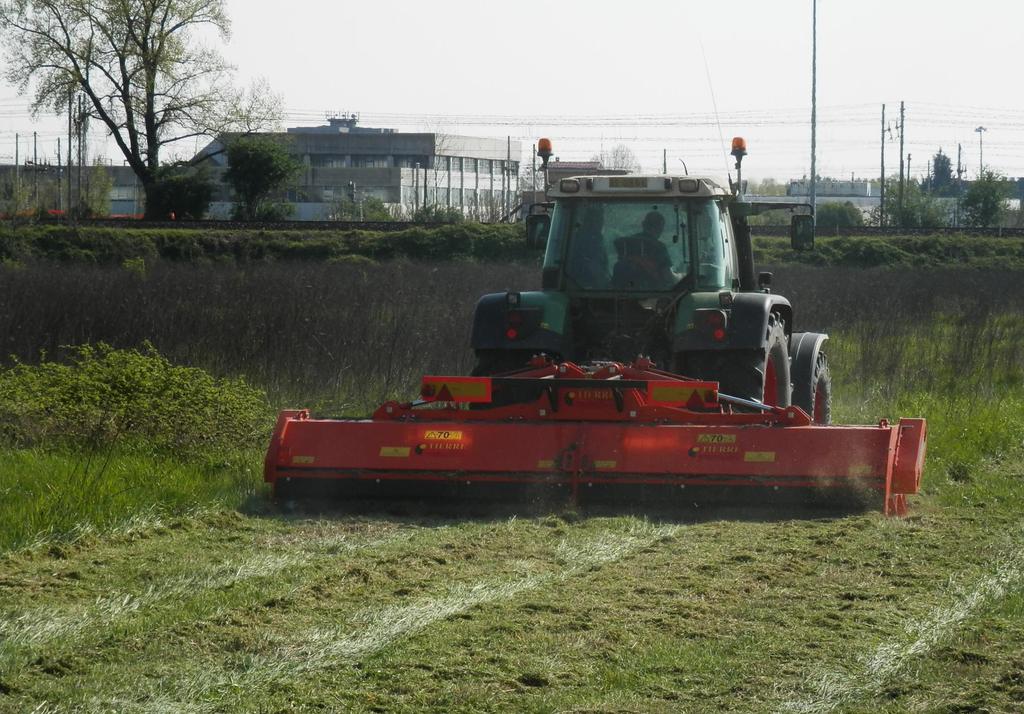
<point>673,80</point>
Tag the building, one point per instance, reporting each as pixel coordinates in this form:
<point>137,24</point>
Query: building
<point>476,175</point>
<point>110,189</point>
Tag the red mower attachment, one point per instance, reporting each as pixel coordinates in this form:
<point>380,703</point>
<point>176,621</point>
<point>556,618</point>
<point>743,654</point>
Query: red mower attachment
<point>579,427</point>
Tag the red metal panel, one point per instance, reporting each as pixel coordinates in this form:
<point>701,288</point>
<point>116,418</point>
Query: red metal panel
<point>604,424</point>
<point>603,451</point>
<point>910,450</point>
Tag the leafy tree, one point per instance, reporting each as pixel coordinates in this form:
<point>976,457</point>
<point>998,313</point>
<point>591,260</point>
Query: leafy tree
<point>15,198</point>
<point>257,167</point>
<point>942,175</point>
<point>372,209</point>
<point>270,211</point>
<point>94,198</point>
<point>139,67</point>
<point>834,215</point>
<point>184,194</point>
<point>985,201</point>
<point>767,187</point>
<point>919,209</point>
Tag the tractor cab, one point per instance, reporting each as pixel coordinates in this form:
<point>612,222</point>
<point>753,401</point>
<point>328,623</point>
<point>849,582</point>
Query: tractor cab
<point>639,235</point>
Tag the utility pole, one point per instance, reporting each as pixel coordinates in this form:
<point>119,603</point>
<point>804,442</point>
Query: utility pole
<point>60,196</point>
<point>17,172</point>
<point>416,187</point>
<point>814,104</point>
<point>35,169</point>
<point>81,147</point>
<point>664,161</point>
<point>899,203</point>
<point>959,185</point>
<point>881,194</point>
<point>71,99</point>
<point>981,151</point>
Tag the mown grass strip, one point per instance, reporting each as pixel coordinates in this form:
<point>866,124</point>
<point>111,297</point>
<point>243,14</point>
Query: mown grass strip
<point>376,628</point>
<point>833,690</point>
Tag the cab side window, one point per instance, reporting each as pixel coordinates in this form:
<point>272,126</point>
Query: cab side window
<point>711,260</point>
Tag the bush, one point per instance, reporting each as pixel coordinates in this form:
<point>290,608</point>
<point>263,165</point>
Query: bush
<point>135,399</point>
<point>438,214</point>
<point>985,202</point>
<point>832,216</point>
<point>185,196</point>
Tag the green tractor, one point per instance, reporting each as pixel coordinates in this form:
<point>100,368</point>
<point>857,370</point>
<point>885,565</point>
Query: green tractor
<point>659,266</point>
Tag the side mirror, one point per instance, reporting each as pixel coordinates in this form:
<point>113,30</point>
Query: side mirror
<point>801,232</point>
<point>537,226</point>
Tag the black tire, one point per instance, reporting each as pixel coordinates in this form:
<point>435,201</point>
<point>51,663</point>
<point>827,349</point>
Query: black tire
<point>285,493</point>
<point>816,398</point>
<point>741,373</point>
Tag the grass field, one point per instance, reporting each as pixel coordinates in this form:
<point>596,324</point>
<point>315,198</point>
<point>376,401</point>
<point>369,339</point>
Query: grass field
<point>140,573</point>
<point>734,610</point>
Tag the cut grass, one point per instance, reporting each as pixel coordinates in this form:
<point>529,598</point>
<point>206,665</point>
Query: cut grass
<point>230,613</point>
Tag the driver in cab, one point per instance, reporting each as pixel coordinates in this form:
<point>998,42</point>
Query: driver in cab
<point>643,260</point>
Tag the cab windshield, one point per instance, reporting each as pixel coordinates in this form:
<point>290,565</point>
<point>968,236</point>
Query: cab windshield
<point>641,246</point>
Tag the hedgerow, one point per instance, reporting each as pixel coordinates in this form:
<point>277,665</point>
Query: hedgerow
<point>100,246</point>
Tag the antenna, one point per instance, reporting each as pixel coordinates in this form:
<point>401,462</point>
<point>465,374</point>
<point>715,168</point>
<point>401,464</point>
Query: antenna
<point>714,105</point>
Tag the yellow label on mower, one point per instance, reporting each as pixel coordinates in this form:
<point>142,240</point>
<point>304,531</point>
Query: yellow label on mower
<point>303,459</point>
<point>395,451</point>
<point>546,464</point>
<point>442,435</point>
<point>759,456</point>
<point>605,464</point>
<point>716,439</point>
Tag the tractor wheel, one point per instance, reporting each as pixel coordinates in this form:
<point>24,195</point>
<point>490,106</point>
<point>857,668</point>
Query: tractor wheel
<point>816,398</point>
<point>777,387</point>
<point>758,375</point>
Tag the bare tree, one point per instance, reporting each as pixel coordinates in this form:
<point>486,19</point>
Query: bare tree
<point>620,157</point>
<point>138,63</point>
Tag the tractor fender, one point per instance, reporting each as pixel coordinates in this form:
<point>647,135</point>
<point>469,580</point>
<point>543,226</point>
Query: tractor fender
<point>804,348</point>
<point>539,327</point>
<point>748,324</point>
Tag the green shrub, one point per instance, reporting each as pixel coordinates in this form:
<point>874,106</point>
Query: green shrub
<point>129,398</point>
<point>834,215</point>
<point>181,193</point>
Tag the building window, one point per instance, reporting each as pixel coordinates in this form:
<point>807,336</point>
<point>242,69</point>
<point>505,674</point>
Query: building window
<point>370,162</point>
<point>329,161</point>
